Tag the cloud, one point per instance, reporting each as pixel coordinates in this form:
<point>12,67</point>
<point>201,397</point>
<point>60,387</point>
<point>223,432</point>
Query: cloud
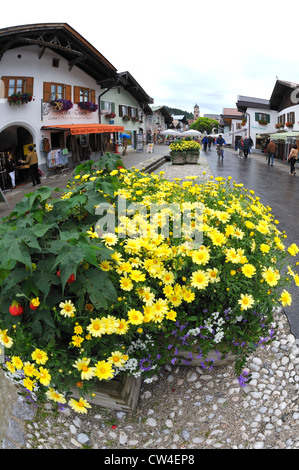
<point>185,53</point>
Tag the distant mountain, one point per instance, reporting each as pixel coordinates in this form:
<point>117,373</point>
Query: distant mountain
<point>179,112</point>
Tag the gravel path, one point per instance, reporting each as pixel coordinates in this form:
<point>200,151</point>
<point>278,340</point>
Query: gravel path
<point>189,408</point>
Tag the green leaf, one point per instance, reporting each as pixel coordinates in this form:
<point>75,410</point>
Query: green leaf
<point>99,288</point>
<point>10,250</point>
<point>69,234</point>
<point>68,260</point>
<point>193,318</point>
<point>40,230</point>
<point>43,281</point>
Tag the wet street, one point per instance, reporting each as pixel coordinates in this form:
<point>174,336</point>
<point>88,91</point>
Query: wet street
<point>276,188</point>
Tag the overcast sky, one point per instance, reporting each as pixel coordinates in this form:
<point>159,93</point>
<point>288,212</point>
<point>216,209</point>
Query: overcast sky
<point>183,52</point>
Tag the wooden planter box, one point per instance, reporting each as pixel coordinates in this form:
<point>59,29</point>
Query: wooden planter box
<point>192,158</point>
<point>178,159</point>
<point>121,393</point>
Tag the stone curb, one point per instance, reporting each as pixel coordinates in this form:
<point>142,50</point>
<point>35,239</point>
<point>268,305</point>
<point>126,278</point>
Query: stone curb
<point>15,435</point>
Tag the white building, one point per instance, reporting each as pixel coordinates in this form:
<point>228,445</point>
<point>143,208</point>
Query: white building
<point>259,116</point>
<point>276,118</point>
<point>64,74</point>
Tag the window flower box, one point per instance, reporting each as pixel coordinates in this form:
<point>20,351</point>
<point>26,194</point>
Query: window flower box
<point>17,99</point>
<point>88,106</point>
<point>289,124</point>
<point>262,122</point>
<point>110,115</point>
<point>61,105</point>
<point>126,117</point>
<point>135,118</point>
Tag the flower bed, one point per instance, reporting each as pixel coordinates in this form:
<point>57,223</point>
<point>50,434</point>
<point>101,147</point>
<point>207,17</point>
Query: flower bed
<point>95,303</point>
<point>184,151</point>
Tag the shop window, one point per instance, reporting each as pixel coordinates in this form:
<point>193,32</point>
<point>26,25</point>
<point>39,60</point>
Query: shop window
<point>57,140</point>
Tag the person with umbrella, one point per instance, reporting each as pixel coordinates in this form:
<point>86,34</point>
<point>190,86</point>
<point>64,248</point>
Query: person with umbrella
<point>124,143</point>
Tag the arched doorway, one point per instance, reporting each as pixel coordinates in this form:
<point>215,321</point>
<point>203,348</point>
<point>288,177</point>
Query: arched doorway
<point>15,140</point>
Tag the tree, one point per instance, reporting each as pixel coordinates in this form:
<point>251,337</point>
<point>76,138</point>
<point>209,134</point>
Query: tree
<point>203,124</point>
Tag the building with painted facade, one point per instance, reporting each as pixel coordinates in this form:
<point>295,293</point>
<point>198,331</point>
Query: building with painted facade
<point>56,91</point>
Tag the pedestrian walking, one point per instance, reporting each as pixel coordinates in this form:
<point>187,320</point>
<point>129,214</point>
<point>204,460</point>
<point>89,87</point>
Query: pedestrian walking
<point>271,150</point>
<point>205,142</point>
<point>210,140</point>
<point>292,158</point>
<point>10,168</point>
<point>241,147</point>
<point>246,147</point>
<point>32,161</point>
<point>250,144</point>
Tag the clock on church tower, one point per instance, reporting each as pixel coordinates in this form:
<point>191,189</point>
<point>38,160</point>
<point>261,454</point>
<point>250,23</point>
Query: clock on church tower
<point>196,112</point>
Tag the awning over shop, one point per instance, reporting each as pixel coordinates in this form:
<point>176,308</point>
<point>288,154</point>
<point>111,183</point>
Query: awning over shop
<point>239,131</point>
<point>77,129</point>
<point>284,135</point>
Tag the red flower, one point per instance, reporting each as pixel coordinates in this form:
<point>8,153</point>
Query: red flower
<point>114,426</point>
<point>70,279</point>
<point>16,309</point>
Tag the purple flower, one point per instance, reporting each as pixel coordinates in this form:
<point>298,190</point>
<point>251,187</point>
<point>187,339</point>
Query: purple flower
<point>145,363</point>
<point>243,379</point>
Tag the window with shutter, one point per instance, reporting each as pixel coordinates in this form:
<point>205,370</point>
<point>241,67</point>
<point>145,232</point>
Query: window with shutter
<point>17,85</point>
<point>82,94</point>
<point>55,91</point>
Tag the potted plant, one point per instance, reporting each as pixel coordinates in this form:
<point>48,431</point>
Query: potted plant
<point>135,118</point>
<point>19,98</point>
<point>184,151</point>
<point>126,117</point>
<point>244,121</point>
<point>289,124</point>
<point>61,105</point>
<point>88,106</point>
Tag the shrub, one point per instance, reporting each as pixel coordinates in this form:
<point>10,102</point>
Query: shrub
<point>130,300</point>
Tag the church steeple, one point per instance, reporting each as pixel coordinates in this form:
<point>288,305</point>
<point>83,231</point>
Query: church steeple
<point>196,112</point>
